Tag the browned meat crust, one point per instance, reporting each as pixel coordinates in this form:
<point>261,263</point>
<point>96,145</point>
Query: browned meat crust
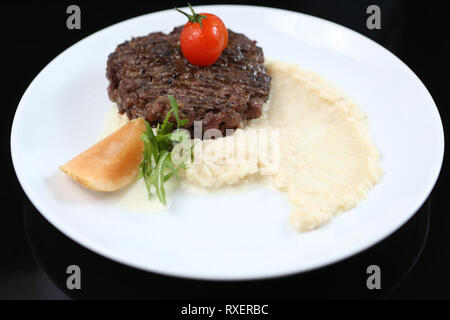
<point>143,71</point>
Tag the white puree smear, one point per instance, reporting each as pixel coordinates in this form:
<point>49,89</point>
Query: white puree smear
<point>326,159</point>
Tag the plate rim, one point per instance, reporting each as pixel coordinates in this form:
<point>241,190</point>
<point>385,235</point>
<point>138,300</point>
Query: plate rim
<point>105,252</point>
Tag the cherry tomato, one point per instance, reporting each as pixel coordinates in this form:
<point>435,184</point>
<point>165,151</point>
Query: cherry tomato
<point>203,38</point>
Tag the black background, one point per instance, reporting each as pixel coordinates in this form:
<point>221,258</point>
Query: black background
<point>33,255</point>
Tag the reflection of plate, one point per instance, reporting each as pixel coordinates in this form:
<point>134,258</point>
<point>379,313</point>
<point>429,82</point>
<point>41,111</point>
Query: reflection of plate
<point>229,236</point>
<point>406,245</point>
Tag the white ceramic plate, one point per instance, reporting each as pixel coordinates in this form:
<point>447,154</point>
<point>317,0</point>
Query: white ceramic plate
<point>232,236</point>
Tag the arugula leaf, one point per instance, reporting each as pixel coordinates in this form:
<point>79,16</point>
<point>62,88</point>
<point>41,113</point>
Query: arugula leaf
<point>174,106</point>
<point>158,177</point>
<point>157,159</point>
<point>154,149</point>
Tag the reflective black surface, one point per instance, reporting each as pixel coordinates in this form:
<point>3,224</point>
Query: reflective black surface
<point>34,255</point>
<point>101,278</point>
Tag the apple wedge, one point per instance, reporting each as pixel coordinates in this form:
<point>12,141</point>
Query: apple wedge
<point>112,163</point>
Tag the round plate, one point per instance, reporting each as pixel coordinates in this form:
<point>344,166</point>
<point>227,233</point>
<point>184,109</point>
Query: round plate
<point>228,236</point>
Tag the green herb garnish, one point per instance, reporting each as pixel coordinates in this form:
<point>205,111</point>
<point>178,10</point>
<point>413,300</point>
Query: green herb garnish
<point>157,166</point>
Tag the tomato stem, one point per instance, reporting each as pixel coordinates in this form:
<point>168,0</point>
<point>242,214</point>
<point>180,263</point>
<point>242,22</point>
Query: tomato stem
<point>194,18</point>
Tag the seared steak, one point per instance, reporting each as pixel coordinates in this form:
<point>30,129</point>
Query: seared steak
<point>143,71</point>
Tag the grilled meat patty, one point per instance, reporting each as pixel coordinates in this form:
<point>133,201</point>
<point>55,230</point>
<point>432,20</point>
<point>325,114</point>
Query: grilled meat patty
<point>143,71</point>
